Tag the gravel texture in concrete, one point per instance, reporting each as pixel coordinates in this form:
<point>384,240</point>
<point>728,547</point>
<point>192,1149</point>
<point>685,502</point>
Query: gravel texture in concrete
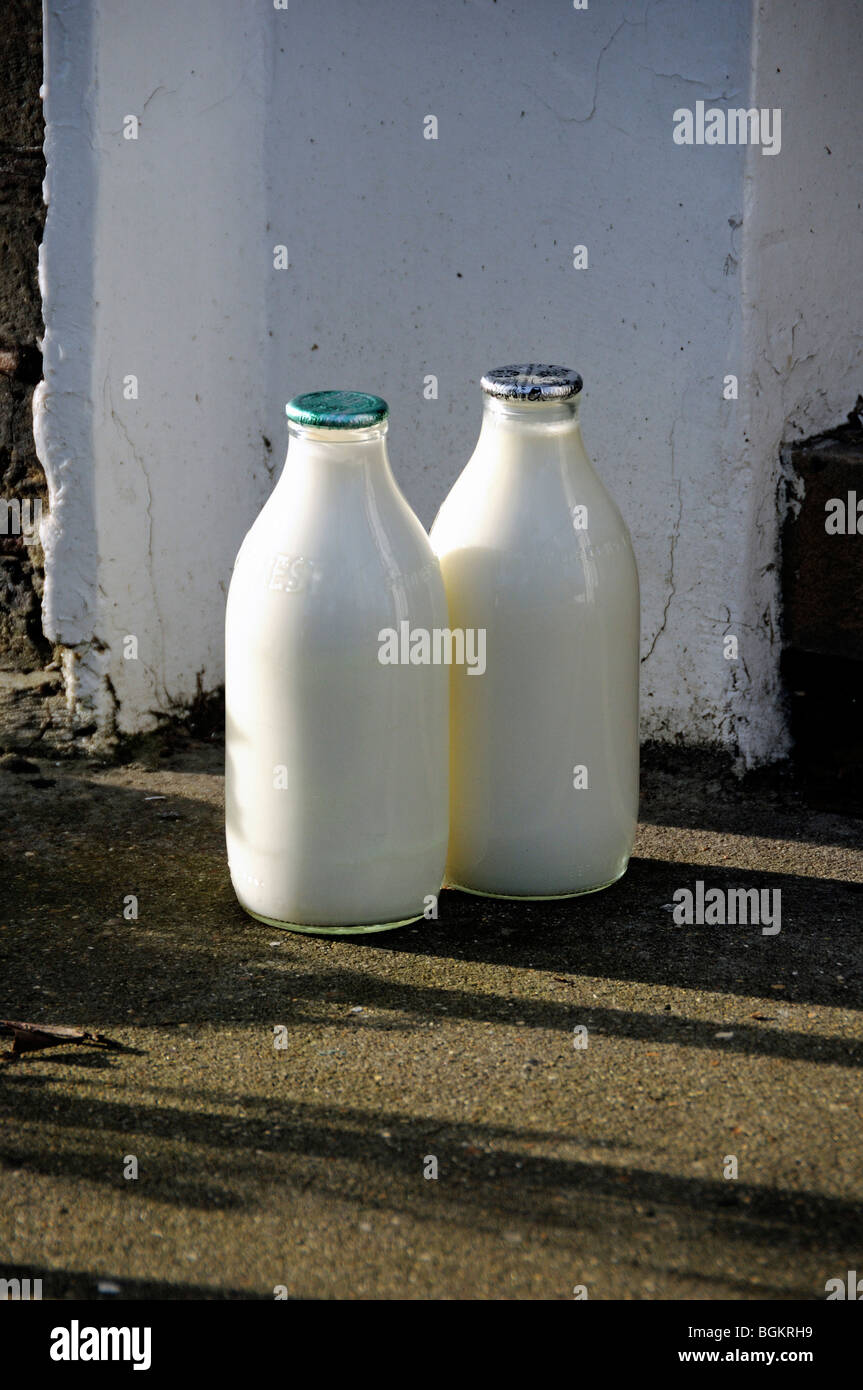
<point>445,1048</point>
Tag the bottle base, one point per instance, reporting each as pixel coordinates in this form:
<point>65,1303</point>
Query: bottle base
<point>363,929</point>
<point>536,897</point>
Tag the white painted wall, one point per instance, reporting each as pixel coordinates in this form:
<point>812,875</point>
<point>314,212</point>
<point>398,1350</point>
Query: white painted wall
<point>153,265</point>
<point>410,256</point>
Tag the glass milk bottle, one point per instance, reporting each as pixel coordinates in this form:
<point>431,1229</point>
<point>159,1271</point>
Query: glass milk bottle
<point>336,762</point>
<point>544,743</point>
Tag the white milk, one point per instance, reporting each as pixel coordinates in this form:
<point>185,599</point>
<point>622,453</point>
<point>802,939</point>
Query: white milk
<point>557,591</point>
<point>336,765</point>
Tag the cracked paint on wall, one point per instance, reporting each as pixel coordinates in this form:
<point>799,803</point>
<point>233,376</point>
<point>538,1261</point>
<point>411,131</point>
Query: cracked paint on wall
<point>802,339</point>
<point>410,257</point>
<point>150,267</point>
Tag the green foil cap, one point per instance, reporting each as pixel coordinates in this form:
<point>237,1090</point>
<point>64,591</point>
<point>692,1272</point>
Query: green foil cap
<point>337,410</point>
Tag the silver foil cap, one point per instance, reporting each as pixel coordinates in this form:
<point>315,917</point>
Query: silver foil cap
<point>532,381</point>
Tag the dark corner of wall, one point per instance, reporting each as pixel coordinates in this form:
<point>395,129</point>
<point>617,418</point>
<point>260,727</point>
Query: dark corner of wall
<point>822,585</point>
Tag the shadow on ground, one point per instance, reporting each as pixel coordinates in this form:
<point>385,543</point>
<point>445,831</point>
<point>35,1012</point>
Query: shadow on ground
<point>193,984</point>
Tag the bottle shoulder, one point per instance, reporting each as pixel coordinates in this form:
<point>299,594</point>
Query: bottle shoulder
<point>513,509</point>
<point>337,569</point>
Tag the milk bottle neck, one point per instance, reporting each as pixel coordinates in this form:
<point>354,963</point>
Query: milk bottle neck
<point>534,432</point>
<point>353,459</point>
<point>534,419</point>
